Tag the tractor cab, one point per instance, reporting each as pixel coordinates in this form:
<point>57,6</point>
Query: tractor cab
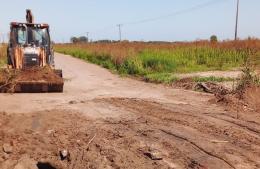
<point>29,45</point>
<point>25,34</point>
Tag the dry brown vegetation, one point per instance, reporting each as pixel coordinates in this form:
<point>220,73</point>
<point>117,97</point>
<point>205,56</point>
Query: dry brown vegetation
<point>119,51</point>
<point>2,54</point>
<point>160,61</point>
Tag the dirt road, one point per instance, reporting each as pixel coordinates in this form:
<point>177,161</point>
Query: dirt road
<point>106,121</point>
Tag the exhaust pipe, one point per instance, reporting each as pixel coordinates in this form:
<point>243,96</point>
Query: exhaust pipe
<point>29,16</point>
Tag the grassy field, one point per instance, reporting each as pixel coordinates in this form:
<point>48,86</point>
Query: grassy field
<point>2,54</point>
<point>159,62</point>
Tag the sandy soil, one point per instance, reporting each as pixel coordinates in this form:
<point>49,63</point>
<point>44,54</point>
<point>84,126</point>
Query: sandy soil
<point>222,74</point>
<point>105,121</point>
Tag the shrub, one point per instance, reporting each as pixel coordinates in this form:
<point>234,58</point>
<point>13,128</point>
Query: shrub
<point>213,39</point>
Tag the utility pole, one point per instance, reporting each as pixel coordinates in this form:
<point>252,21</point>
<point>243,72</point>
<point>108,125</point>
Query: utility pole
<point>2,36</point>
<point>87,36</point>
<point>237,19</point>
<point>120,32</point>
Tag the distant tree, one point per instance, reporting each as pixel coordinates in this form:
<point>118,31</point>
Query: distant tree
<point>104,41</point>
<point>125,41</point>
<point>252,38</point>
<point>81,39</point>
<point>213,39</point>
<point>74,40</point>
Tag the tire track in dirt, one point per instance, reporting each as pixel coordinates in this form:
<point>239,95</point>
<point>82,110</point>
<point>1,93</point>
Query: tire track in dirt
<point>225,116</point>
<point>198,122</point>
<point>155,136</point>
<point>239,123</point>
<point>147,136</point>
<point>200,148</point>
<point>251,126</point>
<point>238,137</point>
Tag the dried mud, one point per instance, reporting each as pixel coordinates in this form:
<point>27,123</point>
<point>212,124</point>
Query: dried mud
<point>148,135</point>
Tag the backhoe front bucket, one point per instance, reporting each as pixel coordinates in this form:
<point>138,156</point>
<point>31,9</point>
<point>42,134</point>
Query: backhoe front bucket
<point>31,81</point>
<point>38,87</point>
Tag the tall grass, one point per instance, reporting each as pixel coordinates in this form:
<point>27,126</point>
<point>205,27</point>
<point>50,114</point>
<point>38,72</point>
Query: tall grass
<point>251,73</point>
<point>2,54</point>
<point>189,59</point>
<point>161,60</point>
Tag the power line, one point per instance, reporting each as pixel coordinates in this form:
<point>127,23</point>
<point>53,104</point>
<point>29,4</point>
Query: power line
<point>183,11</point>
<point>209,3</point>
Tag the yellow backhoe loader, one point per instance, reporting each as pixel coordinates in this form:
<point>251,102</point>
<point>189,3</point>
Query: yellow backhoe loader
<point>30,50</point>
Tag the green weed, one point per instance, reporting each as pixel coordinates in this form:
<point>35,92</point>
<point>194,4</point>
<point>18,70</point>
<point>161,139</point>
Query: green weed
<point>159,62</point>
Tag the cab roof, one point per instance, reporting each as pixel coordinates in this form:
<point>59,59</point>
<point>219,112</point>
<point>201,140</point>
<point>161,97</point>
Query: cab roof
<point>39,25</point>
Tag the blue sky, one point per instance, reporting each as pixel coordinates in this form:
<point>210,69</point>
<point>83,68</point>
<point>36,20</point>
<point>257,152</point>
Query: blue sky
<point>99,17</point>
